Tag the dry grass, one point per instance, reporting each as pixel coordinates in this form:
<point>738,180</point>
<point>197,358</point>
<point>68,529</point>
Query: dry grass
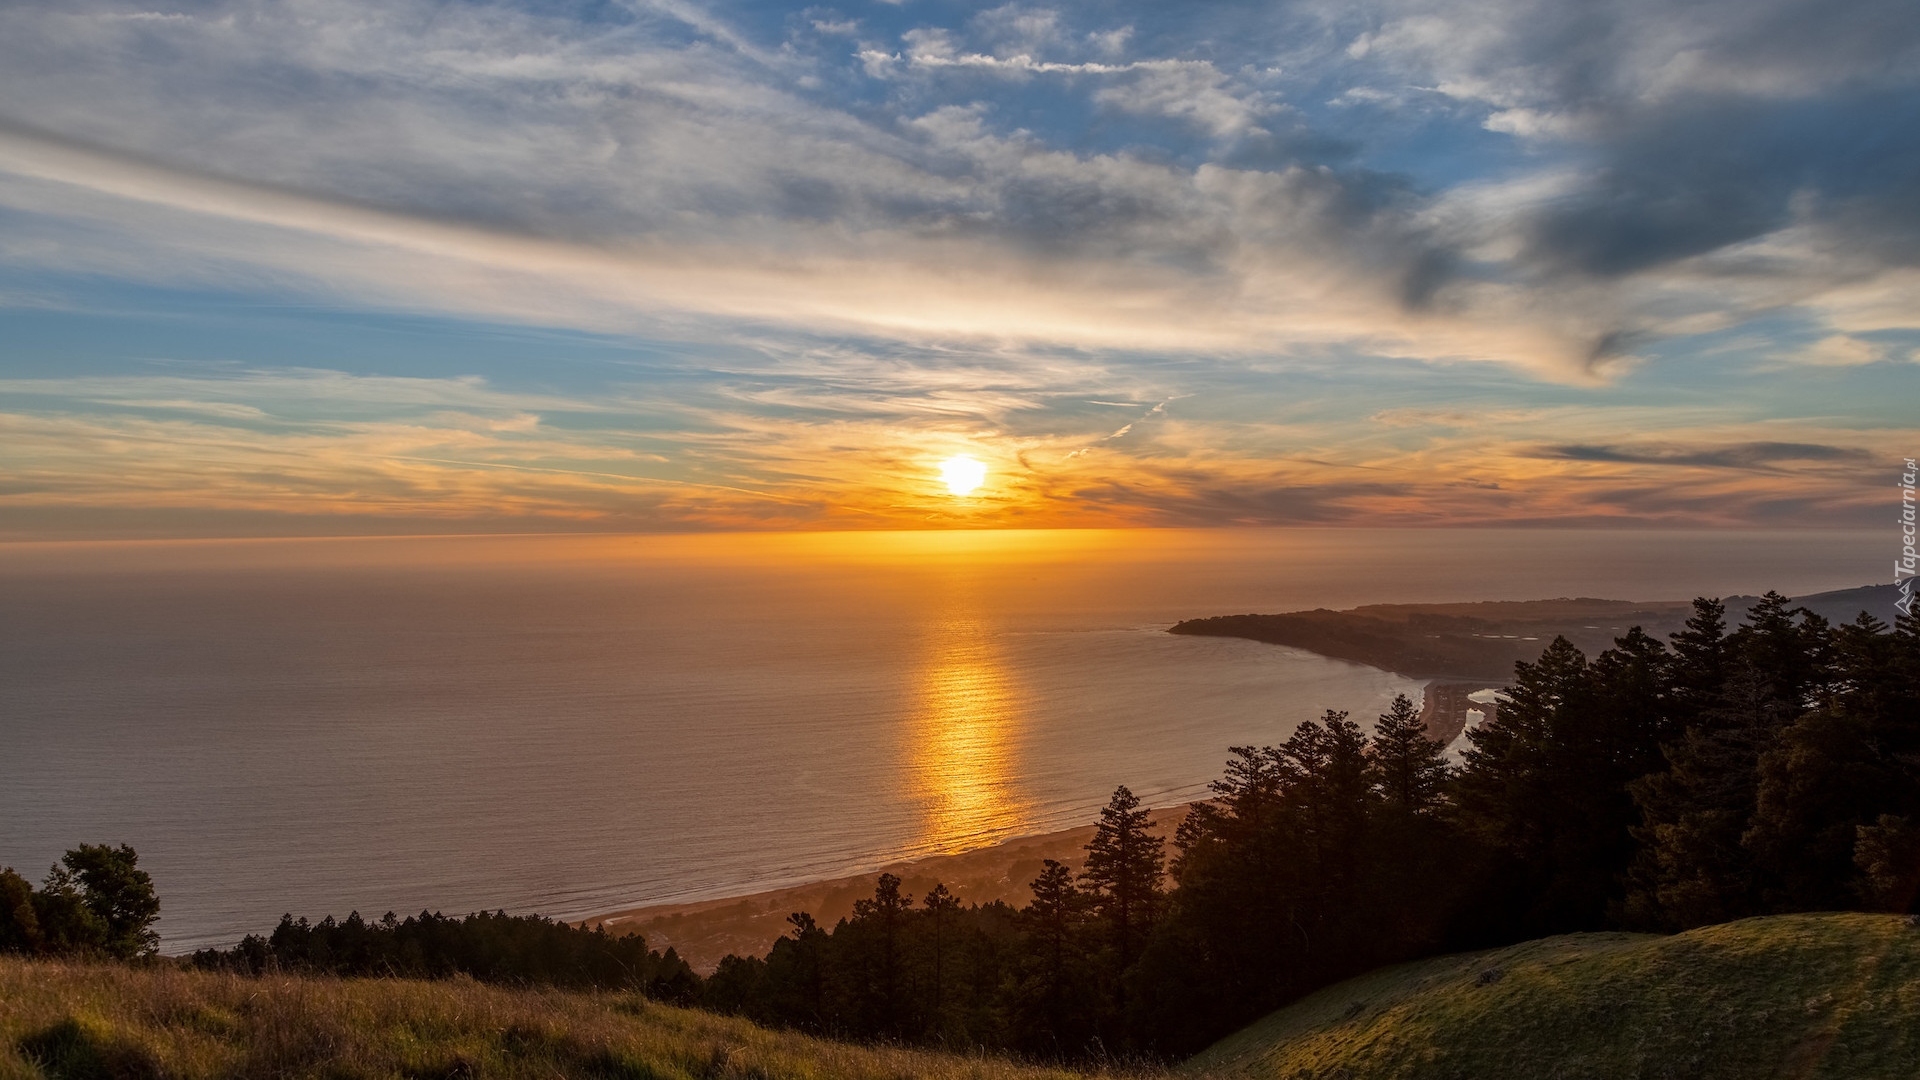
<point>74,1020</point>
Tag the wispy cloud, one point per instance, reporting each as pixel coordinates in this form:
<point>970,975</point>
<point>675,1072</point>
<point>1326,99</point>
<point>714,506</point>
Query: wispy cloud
<point>1755,455</point>
<point>289,446</point>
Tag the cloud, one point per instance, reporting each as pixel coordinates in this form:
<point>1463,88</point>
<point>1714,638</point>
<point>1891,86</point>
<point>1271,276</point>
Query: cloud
<point>871,240</point>
<point>1754,455</point>
<point>1074,251</point>
<point>666,166</point>
<point>1196,92</point>
<point>1018,28</point>
<point>1842,350</point>
<point>1703,127</point>
<point>831,444</point>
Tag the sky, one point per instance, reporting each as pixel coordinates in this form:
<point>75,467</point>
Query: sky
<point>324,267</point>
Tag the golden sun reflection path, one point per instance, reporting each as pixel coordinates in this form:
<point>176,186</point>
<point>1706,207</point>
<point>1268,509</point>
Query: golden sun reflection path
<point>963,738</point>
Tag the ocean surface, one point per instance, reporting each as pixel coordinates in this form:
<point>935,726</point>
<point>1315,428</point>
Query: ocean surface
<point>569,725</point>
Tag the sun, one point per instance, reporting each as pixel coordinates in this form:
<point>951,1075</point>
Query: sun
<point>962,474</point>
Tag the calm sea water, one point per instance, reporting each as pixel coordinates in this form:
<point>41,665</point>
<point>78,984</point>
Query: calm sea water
<point>569,725</point>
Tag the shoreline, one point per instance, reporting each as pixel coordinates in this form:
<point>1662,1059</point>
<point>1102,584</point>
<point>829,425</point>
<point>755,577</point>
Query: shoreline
<point>746,924</point>
<point>704,931</point>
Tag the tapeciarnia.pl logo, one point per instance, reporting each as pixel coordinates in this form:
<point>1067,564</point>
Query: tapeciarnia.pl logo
<point>1903,568</point>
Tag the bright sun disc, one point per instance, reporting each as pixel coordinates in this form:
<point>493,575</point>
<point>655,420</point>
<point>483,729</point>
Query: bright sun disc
<point>962,474</point>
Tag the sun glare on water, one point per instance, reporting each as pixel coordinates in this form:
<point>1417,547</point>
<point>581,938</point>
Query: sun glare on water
<point>962,474</point>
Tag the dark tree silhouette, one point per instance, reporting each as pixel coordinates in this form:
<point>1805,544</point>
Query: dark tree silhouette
<point>95,901</point>
<point>940,905</point>
<point>1408,769</point>
<point>881,923</point>
<point>1125,863</point>
<point>1052,923</point>
<point>19,926</point>
<point>118,894</point>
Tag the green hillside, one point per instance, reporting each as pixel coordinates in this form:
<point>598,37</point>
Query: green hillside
<point>1801,996</point>
<point>82,1021</point>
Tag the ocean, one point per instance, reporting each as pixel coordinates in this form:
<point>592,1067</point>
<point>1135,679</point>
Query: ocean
<point>574,724</point>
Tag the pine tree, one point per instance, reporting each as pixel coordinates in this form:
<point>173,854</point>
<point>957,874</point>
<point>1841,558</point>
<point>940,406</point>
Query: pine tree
<point>1051,923</point>
<point>1838,768</point>
<point>883,918</point>
<point>1788,645</point>
<point>1124,866</point>
<point>940,906</point>
<point>1693,867</point>
<point>1700,659</point>
<point>1507,775</point>
<point>1410,867</point>
<point>796,976</point>
<point>1545,785</point>
<point>1408,769</point>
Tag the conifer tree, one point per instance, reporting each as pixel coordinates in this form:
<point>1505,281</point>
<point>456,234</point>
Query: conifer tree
<point>1330,796</point>
<point>1700,659</point>
<point>940,905</point>
<point>1789,646</point>
<point>1508,760</point>
<point>1124,866</point>
<point>1408,769</point>
<point>1051,922</point>
<point>883,918</point>
<point>1410,865</point>
<point>1515,793</point>
<point>1838,768</point>
<point>1693,867</point>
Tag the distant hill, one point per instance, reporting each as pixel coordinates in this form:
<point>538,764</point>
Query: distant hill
<point>1482,641</point>
<point>1804,996</point>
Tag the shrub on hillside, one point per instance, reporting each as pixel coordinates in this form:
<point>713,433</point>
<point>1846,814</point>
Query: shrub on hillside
<point>95,901</point>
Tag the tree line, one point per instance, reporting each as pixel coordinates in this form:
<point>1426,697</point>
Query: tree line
<point>1767,768</point>
<point>528,950</point>
<point>97,904</point>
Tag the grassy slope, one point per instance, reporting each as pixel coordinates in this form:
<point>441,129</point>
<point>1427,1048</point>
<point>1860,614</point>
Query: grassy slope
<point>60,1020</point>
<point>1791,996</point>
<point>1788,996</point>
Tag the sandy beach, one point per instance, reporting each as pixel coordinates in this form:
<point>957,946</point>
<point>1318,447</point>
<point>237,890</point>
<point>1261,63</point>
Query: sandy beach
<point>706,930</point>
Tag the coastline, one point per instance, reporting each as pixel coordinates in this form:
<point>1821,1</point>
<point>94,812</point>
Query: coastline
<point>704,931</point>
<point>747,924</point>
